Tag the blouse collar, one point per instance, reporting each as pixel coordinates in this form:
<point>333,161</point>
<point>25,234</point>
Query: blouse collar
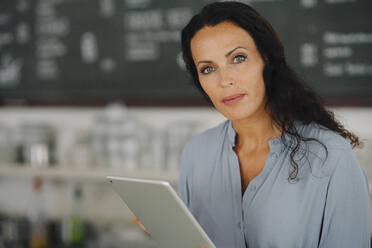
<point>275,144</point>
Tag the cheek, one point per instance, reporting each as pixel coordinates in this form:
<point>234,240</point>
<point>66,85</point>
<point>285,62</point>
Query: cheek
<point>259,92</point>
<point>255,82</point>
<point>203,86</point>
<point>208,88</point>
<point>260,88</point>
<point>261,96</point>
<point>211,93</point>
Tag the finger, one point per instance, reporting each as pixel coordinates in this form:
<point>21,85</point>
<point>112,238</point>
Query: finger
<point>138,222</point>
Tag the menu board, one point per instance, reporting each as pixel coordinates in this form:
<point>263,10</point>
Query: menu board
<point>79,51</point>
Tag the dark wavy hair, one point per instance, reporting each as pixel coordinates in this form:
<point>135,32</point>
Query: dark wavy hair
<point>288,98</point>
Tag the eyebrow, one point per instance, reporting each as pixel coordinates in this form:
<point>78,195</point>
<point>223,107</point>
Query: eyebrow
<point>226,55</point>
<point>229,53</point>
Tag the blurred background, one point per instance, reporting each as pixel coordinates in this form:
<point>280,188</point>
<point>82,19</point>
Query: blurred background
<point>90,88</point>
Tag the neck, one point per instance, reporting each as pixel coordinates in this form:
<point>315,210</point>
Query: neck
<point>253,134</point>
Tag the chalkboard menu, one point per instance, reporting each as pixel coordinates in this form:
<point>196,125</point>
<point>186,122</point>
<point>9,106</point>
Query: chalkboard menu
<point>78,51</point>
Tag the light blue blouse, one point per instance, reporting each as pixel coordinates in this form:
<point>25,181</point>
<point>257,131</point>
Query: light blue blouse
<point>328,207</point>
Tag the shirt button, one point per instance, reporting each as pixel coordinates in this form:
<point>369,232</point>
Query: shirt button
<point>274,156</point>
<point>275,142</point>
<point>253,187</point>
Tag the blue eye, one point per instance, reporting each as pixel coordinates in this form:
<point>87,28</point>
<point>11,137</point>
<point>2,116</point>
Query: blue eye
<point>207,70</point>
<point>239,58</point>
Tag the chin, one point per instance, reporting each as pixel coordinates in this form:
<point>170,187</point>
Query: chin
<point>236,116</point>
<point>240,113</point>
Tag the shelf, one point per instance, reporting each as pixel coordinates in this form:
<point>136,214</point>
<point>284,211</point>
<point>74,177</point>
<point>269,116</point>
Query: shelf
<point>83,174</point>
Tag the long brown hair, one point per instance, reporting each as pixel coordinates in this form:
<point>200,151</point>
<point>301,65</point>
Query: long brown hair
<point>288,98</point>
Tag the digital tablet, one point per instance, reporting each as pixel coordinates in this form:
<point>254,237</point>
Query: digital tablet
<point>162,212</point>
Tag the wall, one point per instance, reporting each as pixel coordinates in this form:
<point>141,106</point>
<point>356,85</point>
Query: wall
<point>100,203</point>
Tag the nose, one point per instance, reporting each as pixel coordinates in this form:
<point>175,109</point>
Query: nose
<point>226,77</point>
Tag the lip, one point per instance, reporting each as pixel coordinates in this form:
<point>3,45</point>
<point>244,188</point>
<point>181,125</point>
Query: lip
<point>231,100</point>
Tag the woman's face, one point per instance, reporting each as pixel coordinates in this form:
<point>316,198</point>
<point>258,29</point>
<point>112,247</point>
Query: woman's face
<point>230,70</point>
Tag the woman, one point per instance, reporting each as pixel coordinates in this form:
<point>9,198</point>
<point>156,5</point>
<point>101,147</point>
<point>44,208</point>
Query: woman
<point>280,171</point>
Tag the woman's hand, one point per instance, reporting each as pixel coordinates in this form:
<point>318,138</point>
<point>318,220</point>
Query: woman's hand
<point>136,220</point>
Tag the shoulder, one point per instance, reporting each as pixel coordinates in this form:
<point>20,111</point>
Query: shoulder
<point>329,138</point>
<point>202,148</point>
<point>207,139</point>
<point>332,152</point>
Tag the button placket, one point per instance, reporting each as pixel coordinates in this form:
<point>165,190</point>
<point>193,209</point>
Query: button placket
<point>274,156</point>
